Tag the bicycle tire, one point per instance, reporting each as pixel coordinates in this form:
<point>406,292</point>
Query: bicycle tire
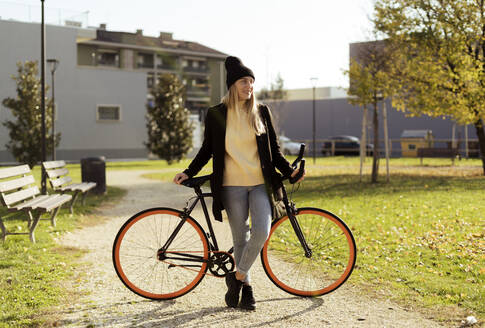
<point>333,254</point>
<point>136,261</point>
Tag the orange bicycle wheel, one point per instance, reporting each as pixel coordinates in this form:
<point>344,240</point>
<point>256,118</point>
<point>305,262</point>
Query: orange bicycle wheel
<point>143,271</point>
<point>330,264</point>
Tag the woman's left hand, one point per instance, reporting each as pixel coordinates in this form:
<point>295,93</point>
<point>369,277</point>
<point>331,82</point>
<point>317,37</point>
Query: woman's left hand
<point>295,172</point>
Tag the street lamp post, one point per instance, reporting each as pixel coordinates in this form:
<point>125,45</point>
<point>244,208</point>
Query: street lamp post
<point>54,63</point>
<point>314,80</point>
<point>42,96</point>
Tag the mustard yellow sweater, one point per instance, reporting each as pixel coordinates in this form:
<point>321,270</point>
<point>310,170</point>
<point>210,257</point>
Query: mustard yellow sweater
<point>242,166</point>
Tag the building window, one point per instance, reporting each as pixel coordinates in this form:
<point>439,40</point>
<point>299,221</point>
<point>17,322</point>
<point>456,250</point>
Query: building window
<point>108,57</point>
<point>163,61</point>
<point>159,61</point>
<point>195,66</point>
<point>108,113</point>
<point>201,82</point>
<point>198,85</point>
<point>144,60</point>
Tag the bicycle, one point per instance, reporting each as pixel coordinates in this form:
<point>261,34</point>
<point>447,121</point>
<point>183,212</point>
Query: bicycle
<point>163,253</point>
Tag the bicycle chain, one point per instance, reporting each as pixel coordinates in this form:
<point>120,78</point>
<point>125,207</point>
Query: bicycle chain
<point>211,269</point>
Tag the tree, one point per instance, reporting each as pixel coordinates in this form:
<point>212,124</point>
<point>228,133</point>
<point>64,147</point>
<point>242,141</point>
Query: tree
<point>369,83</point>
<point>277,95</point>
<point>440,69</point>
<point>169,128</point>
<point>25,130</point>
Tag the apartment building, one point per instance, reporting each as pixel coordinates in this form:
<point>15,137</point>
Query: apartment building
<point>103,83</point>
<point>200,68</point>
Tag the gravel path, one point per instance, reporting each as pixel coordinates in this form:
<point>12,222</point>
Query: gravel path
<point>107,303</point>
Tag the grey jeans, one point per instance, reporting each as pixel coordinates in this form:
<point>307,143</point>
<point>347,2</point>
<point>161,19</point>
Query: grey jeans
<point>239,201</point>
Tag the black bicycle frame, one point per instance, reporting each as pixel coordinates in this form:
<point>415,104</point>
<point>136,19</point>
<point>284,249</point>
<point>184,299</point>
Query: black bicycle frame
<point>186,213</point>
<point>211,235</point>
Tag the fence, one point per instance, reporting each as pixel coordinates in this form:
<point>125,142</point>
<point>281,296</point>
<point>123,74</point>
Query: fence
<point>330,147</point>
<point>32,13</point>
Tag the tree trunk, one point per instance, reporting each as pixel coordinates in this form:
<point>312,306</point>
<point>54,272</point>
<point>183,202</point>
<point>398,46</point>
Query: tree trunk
<point>481,141</point>
<point>375,159</point>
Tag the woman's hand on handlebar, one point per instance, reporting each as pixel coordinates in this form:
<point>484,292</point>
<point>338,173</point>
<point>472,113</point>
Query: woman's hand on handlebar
<point>179,177</point>
<point>295,172</point>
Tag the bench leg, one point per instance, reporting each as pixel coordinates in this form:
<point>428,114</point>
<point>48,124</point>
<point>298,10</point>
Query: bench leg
<point>53,217</point>
<point>84,198</point>
<point>4,230</point>
<point>73,200</point>
<point>32,228</point>
<point>29,219</point>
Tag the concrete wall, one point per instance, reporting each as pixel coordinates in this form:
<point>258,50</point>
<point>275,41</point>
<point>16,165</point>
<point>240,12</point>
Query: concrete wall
<point>217,81</point>
<point>78,92</point>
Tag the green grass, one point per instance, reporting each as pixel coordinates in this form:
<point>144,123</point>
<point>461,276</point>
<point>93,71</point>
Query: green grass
<point>337,160</point>
<point>146,165</point>
<point>420,237</point>
<point>32,275</point>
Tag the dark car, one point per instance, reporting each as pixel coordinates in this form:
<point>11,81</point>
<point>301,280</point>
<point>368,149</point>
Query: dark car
<point>345,145</point>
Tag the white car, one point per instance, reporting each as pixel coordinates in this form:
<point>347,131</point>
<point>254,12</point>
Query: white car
<point>289,147</point>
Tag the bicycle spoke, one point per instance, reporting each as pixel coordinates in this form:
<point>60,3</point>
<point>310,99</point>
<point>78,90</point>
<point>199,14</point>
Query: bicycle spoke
<point>325,270</point>
<point>136,258</point>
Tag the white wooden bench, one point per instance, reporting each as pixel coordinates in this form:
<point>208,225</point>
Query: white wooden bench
<point>61,181</point>
<point>20,195</point>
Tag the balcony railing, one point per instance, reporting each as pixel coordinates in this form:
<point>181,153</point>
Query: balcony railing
<point>204,90</point>
<point>144,65</point>
<point>202,69</point>
<point>166,66</point>
<point>108,62</point>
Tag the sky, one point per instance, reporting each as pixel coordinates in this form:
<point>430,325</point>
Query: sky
<point>297,39</point>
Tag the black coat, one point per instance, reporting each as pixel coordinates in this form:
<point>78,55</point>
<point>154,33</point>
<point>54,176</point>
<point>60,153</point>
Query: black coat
<point>214,146</point>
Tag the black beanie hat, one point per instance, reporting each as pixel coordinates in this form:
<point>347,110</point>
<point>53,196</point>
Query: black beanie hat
<point>236,70</point>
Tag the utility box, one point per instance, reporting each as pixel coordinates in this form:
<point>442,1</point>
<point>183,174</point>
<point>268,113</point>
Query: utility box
<point>411,140</point>
<point>93,169</point>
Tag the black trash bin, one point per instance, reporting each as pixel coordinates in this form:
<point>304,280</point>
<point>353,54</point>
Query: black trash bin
<point>93,169</point>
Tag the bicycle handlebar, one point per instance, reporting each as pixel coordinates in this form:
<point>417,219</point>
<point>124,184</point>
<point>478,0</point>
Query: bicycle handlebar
<point>294,165</point>
<point>199,181</point>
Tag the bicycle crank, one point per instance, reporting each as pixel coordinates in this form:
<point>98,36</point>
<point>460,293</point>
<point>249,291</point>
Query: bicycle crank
<point>221,263</point>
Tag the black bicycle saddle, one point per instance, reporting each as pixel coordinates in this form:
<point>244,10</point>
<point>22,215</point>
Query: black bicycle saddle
<point>196,182</point>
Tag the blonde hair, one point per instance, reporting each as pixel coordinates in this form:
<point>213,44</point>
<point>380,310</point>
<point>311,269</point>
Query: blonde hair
<point>250,107</point>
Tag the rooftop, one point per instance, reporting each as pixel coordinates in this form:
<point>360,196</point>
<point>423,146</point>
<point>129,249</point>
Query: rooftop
<point>163,41</point>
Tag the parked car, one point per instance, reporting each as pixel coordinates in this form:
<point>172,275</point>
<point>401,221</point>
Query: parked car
<point>345,145</point>
<point>289,147</point>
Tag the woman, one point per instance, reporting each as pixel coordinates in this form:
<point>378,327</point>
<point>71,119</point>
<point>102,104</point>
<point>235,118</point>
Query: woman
<point>240,138</point>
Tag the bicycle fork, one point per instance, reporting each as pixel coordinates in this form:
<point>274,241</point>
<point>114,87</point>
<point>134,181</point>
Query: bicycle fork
<point>291,210</point>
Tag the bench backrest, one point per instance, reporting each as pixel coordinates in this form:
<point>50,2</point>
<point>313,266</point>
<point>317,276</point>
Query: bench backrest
<point>57,173</point>
<point>16,185</point>
<point>437,152</point>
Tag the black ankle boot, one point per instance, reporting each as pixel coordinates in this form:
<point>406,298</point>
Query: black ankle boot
<point>247,299</point>
<point>233,289</point>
